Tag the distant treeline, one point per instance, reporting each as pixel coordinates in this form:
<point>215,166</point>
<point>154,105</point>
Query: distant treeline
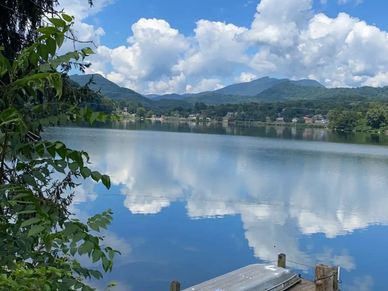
<point>342,114</point>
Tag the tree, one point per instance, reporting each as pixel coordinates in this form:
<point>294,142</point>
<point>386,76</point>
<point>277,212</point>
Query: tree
<point>199,106</point>
<point>141,111</point>
<point>18,22</point>
<point>375,117</point>
<point>39,239</point>
<point>343,120</point>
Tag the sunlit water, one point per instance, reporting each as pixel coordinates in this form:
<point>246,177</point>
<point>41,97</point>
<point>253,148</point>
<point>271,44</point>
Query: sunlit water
<point>193,206</point>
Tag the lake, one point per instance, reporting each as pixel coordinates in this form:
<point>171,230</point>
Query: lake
<point>191,206</point>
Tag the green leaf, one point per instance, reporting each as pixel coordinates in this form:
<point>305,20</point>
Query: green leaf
<point>51,150</point>
<point>40,149</point>
<point>78,236</point>
<point>94,226</point>
<point>86,247</point>
<point>26,212</point>
<point>86,288</point>
<point>57,22</point>
<point>39,176</point>
<point>96,274</point>
<point>96,176</point>
<point>22,202</point>
<point>56,82</point>
<point>20,166</point>
<point>34,58</point>
<point>35,229</point>
<point>43,52</point>
<point>86,155</point>
<point>73,251</point>
<point>22,195</point>
<point>76,156</point>
<point>106,181</point>
<point>85,172</point>
<point>67,18</point>
<point>47,30</point>
<point>60,149</point>
<point>87,51</point>
<point>29,180</point>
<point>111,254</point>
<point>73,166</point>
<point>59,37</point>
<point>51,45</point>
<point>5,66</point>
<point>31,221</point>
<point>70,228</point>
<point>96,255</point>
<point>106,264</point>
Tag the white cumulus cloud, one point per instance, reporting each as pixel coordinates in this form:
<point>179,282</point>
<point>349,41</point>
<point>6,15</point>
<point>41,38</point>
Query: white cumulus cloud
<point>152,51</point>
<point>246,77</point>
<point>286,38</point>
<point>81,30</point>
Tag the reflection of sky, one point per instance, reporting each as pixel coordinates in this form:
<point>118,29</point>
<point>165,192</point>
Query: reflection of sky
<point>216,202</point>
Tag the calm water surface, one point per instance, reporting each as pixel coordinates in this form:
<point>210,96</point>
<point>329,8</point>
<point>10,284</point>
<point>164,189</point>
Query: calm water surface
<point>193,206</point>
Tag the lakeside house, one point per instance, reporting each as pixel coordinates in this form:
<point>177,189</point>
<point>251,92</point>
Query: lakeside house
<point>321,122</point>
<point>320,119</point>
<point>193,117</point>
<point>308,120</point>
<point>229,117</point>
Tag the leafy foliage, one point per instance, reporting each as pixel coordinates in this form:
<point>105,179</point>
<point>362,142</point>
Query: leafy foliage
<point>39,239</point>
<point>376,117</point>
<point>18,22</point>
<point>343,120</point>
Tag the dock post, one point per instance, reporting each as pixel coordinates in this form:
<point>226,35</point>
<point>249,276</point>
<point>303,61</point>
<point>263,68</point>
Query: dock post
<point>324,278</point>
<point>281,260</point>
<point>335,278</point>
<point>175,286</point>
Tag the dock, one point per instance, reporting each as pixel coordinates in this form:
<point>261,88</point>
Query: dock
<point>261,277</point>
<point>303,285</point>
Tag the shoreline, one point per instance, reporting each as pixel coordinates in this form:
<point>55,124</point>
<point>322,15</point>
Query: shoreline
<point>281,131</point>
<point>244,123</point>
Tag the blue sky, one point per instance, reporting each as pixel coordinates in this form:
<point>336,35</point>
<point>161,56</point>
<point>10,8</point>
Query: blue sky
<point>118,17</point>
<point>188,46</point>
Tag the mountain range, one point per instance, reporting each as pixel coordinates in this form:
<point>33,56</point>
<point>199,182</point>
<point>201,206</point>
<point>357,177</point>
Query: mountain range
<point>113,91</point>
<point>108,88</point>
<point>265,89</point>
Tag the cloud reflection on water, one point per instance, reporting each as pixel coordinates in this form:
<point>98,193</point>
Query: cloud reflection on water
<point>280,189</point>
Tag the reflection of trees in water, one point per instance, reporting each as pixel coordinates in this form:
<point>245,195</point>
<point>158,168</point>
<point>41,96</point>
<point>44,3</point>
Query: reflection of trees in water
<point>279,131</point>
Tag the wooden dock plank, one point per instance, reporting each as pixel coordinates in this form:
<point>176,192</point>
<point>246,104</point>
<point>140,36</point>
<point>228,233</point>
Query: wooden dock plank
<point>304,285</point>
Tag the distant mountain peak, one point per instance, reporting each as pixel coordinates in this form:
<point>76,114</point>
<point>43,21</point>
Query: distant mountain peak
<point>308,83</point>
<point>109,88</point>
<point>259,85</point>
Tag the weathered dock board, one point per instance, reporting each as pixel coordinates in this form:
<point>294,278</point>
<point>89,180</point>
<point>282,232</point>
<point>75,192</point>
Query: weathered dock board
<point>304,285</point>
